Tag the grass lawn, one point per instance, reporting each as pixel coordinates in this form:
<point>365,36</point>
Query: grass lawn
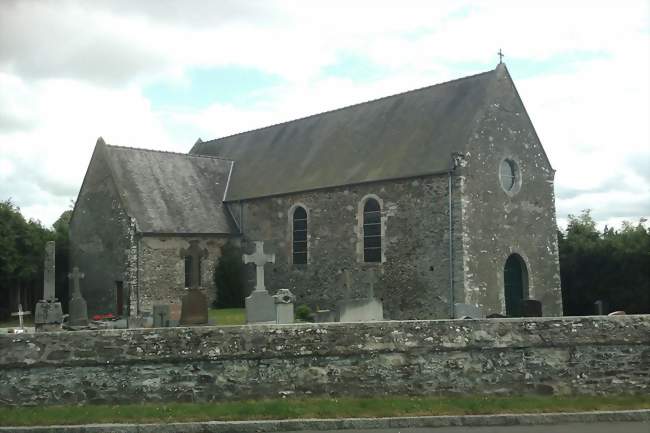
<point>228,316</point>
<point>312,408</point>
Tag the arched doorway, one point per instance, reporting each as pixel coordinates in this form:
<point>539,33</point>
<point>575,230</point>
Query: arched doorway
<point>515,284</point>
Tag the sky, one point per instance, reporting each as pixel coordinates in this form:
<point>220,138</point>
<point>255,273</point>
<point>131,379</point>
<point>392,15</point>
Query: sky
<point>160,74</point>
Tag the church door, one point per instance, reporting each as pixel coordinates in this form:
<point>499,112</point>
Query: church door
<point>515,284</point>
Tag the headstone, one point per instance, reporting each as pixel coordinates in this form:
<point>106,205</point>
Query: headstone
<point>48,314</point>
<point>284,300</point>
<point>20,313</point>
<point>600,308</point>
<point>260,306</point>
<point>531,308</point>
<point>363,309</point>
<point>77,307</point>
<point>324,316</point>
<point>196,253</point>
<point>463,311</point>
<point>161,316</point>
<point>194,308</point>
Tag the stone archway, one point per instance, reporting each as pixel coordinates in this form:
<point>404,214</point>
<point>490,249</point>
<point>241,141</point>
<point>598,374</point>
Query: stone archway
<point>515,284</point>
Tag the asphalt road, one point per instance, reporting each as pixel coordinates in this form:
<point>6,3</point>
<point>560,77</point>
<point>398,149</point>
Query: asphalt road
<point>607,427</point>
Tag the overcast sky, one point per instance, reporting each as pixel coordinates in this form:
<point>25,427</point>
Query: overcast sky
<point>159,74</point>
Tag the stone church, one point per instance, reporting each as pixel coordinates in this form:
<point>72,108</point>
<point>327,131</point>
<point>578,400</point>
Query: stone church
<point>444,192</point>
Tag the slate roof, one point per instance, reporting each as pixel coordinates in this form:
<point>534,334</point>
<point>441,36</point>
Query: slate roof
<point>408,134</point>
<point>171,192</point>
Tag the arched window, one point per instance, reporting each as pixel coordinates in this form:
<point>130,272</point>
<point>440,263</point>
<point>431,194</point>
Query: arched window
<point>300,236</point>
<point>372,231</point>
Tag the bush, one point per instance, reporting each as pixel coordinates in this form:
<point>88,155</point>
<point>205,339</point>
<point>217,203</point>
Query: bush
<point>304,313</point>
<point>229,278</point>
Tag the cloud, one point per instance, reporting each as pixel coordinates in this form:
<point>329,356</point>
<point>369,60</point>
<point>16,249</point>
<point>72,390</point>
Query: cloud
<point>72,70</point>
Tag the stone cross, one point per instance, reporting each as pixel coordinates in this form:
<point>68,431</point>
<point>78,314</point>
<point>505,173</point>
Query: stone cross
<point>75,276</point>
<point>48,273</point>
<point>20,314</point>
<point>501,55</point>
<point>259,259</point>
<point>196,253</point>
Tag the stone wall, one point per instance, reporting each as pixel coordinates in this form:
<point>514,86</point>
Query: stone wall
<point>101,239</point>
<point>497,223</point>
<point>162,267</point>
<point>590,355</point>
<point>413,278</point>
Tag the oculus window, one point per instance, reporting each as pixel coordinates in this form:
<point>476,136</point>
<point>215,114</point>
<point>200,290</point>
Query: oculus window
<point>371,232</point>
<point>509,176</point>
<point>299,236</point>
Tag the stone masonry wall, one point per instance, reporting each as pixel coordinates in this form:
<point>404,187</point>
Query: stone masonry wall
<point>162,268</point>
<point>588,355</point>
<point>499,223</point>
<point>413,278</point>
<point>101,239</point>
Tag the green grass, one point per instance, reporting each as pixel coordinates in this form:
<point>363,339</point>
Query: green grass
<point>228,316</point>
<point>311,408</point>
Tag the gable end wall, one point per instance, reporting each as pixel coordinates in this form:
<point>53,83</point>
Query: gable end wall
<point>497,224</point>
<point>101,240</point>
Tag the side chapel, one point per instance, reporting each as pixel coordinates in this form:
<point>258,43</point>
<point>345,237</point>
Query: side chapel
<point>445,191</point>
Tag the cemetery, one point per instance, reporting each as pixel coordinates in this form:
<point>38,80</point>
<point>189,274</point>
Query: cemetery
<point>358,355</point>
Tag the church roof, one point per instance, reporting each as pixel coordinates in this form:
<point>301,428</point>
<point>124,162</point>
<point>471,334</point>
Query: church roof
<point>408,134</point>
<point>171,192</point>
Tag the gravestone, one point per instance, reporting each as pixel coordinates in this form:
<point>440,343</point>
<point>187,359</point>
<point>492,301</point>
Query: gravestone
<point>531,308</point>
<point>362,309</point>
<point>324,316</point>
<point>284,300</point>
<point>48,314</point>
<point>194,308</point>
<point>161,315</point>
<point>20,313</point>
<point>260,306</point>
<point>464,311</point>
<point>77,307</point>
<point>600,308</point>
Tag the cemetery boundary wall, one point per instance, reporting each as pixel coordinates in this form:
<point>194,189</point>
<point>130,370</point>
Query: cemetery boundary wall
<point>569,355</point>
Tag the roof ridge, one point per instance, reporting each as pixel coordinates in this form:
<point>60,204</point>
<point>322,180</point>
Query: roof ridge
<point>342,108</point>
<point>170,152</point>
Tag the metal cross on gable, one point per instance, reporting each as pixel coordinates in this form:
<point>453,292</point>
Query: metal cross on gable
<point>259,259</point>
<point>501,56</point>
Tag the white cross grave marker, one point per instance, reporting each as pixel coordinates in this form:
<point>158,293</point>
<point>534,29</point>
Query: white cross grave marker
<point>20,315</point>
<point>260,259</point>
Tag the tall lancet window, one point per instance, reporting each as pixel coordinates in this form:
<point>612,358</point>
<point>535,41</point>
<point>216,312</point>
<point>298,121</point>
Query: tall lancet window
<point>372,231</point>
<point>299,236</point>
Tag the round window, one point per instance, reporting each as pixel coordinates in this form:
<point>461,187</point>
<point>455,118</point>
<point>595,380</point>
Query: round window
<point>508,175</point>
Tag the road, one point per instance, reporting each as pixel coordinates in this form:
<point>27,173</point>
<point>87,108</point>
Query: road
<point>606,427</point>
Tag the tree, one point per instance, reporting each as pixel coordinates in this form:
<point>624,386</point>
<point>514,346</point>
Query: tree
<point>611,266</point>
<point>22,245</point>
<point>229,278</point>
